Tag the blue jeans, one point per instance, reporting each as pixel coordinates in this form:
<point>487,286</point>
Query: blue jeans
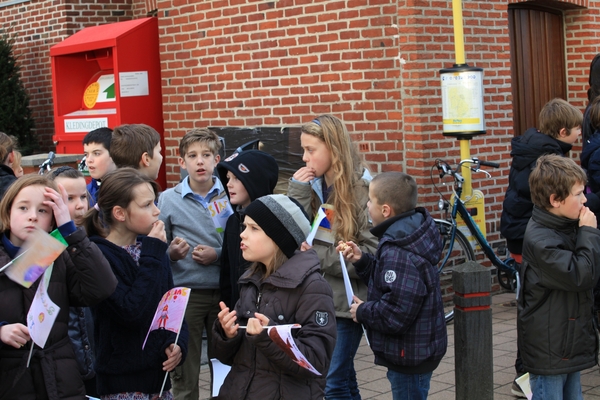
<point>341,379</point>
<point>409,386</point>
<point>556,387</point>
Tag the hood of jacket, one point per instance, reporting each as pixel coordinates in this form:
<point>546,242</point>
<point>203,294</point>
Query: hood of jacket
<point>533,144</point>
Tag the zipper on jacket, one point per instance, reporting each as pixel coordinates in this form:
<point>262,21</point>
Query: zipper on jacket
<point>258,300</point>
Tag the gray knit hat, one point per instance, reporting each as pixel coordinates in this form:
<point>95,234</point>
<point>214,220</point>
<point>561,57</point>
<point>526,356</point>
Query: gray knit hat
<point>282,219</point>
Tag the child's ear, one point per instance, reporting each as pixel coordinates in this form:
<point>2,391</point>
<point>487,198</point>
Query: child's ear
<point>181,162</point>
<point>145,160</point>
<point>119,213</point>
<point>386,211</point>
<point>553,202</point>
<point>217,159</point>
<point>564,132</point>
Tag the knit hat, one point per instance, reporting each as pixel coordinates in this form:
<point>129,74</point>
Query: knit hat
<point>257,170</point>
<point>282,219</point>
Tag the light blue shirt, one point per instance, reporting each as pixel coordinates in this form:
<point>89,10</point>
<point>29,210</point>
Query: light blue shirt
<point>215,190</point>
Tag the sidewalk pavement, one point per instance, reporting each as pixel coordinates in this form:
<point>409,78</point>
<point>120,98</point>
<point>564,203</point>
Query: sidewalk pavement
<point>374,385</point>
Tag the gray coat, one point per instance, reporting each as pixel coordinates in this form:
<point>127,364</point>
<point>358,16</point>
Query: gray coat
<point>561,265</point>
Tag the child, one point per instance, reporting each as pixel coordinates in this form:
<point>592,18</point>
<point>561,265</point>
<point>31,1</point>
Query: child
<point>186,212</point>
<point>334,175</point>
<point>7,175</point>
<point>249,175</point>
<point>80,276</point>
<point>81,324</point>
<point>283,286</point>
<point>96,148</point>
<point>137,146</point>
<point>404,311</point>
<point>125,226</point>
<point>561,250</point>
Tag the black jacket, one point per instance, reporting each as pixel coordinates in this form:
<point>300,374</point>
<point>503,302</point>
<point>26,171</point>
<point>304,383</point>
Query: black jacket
<point>517,205</point>
<point>7,177</point>
<point>556,333</point>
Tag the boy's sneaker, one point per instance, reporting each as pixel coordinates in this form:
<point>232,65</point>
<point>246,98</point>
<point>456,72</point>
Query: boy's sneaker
<point>516,389</point>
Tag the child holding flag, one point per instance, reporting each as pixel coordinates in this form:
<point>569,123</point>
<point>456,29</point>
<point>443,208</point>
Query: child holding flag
<point>79,276</point>
<point>125,226</point>
<point>283,286</point>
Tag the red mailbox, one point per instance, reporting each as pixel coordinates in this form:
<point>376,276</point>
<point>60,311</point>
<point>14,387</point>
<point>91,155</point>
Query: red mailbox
<point>105,76</point>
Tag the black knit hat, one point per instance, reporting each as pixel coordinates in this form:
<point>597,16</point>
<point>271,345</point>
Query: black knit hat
<point>257,170</point>
<point>282,219</point>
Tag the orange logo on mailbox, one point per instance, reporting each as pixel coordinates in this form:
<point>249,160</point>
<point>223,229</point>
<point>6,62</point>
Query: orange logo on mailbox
<point>90,96</point>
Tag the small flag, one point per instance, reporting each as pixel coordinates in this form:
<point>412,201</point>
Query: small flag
<point>281,335</point>
<point>42,313</point>
<point>37,253</point>
<point>170,311</point>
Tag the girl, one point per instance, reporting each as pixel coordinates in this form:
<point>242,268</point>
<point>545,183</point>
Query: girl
<point>80,276</point>
<point>286,286</point>
<point>334,175</point>
<point>125,226</point>
<point>81,323</point>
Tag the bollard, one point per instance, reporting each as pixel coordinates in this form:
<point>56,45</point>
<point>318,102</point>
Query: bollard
<point>473,362</point>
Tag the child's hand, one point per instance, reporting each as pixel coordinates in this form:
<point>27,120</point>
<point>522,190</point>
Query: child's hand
<point>158,231</point>
<point>227,320</point>
<point>587,218</point>
<point>305,246</point>
<point>354,307</point>
<point>178,249</point>
<point>349,250</point>
<point>255,325</point>
<point>58,203</point>
<point>173,357</point>
<point>15,335</point>
<point>304,174</point>
<point>204,255</point>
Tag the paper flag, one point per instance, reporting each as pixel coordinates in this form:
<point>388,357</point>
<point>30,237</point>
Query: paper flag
<point>315,226</point>
<point>28,266</point>
<point>170,311</point>
<point>282,337</point>
<point>42,313</point>
<point>220,211</point>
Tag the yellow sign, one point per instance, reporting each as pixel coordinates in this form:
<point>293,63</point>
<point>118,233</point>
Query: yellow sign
<point>90,96</point>
<point>476,207</point>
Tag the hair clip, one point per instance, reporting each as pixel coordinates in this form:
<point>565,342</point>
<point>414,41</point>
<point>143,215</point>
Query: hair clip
<point>60,170</point>
<point>316,121</point>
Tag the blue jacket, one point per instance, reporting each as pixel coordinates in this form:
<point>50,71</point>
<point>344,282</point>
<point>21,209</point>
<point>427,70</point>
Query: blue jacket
<point>121,322</point>
<point>404,312</point>
<point>590,161</point>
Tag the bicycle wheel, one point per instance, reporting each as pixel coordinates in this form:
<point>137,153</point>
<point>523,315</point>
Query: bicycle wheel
<point>454,253</point>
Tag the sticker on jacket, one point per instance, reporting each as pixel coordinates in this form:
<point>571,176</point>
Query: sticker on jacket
<point>322,318</point>
<point>390,276</point>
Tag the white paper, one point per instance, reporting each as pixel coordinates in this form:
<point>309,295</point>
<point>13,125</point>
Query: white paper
<point>42,313</point>
<point>133,84</point>
<point>523,382</point>
<point>281,335</point>
<point>315,226</point>
<point>220,371</point>
<point>347,284</point>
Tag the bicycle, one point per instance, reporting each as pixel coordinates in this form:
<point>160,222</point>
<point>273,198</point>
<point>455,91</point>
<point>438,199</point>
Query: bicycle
<point>457,249</point>
<point>47,164</point>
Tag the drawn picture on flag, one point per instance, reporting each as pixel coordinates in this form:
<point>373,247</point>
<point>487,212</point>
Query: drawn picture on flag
<point>37,253</point>
<point>170,311</point>
<point>42,313</point>
<point>281,335</point>
<point>220,211</point>
<point>325,230</point>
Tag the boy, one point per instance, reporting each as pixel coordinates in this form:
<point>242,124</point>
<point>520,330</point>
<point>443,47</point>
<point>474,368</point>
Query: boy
<point>560,126</point>
<point>96,148</point>
<point>7,175</point>
<point>561,249</point>
<point>249,175</point>
<point>404,312</point>
<point>137,146</point>
<point>191,214</point>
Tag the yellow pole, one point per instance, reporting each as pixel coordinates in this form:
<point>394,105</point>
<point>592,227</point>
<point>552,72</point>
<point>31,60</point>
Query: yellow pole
<point>459,49</point>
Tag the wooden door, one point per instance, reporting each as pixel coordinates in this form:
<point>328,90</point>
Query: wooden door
<point>537,54</point>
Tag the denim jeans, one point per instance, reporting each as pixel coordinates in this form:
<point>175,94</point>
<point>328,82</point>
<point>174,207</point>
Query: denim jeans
<point>409,386</point>
<point>556,387</point>
<point>341,378</point>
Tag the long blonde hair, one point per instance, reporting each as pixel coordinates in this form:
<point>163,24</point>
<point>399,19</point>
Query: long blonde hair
<point>266,270</point>
<point>347,167</point>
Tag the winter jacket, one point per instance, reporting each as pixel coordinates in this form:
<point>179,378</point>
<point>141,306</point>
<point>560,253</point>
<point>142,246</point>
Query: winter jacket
<point>121,322</point>
<point>404,311</point>
<point>81,333</point>
<point>233,264</point>
<point>80,276</point>
<point>295,293</point>
<point>517,205</point>
<point>590,161</point>
<point>556,333</point>
<point>330,259</point>
<point>7,177</point>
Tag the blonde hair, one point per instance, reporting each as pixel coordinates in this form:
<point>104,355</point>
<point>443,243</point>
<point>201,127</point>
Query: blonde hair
<point>13,192</point>
<point>347,167</point>
<point>266,270</point>
<point>7,145</point>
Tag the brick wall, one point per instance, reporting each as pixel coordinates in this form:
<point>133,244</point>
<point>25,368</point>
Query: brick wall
<point>39,25</point>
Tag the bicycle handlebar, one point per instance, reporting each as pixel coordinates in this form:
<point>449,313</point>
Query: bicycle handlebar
<point>489,164</point>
